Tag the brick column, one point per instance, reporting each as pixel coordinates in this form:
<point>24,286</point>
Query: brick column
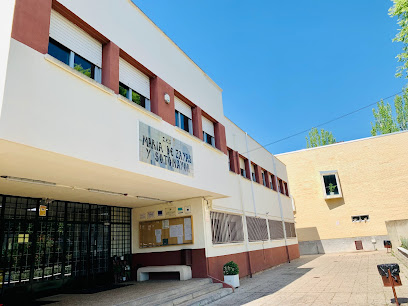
<point>31,23</point>
<point>258,174</point>
<point>158,88</point>
<point>267,179</point>
<point>247,169</point>
<point>110,66</point>
<point>220,138</point>
<point>236,161</point>
<point>197,122</point>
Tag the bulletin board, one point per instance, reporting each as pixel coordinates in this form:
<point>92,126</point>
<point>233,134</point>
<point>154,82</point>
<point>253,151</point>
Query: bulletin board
<point>158,233</point>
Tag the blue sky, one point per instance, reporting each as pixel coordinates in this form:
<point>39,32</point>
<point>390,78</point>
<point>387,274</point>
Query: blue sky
<point>285,66</point>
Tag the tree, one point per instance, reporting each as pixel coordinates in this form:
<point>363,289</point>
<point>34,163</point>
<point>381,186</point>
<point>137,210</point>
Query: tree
<point>400,10</point>
<point>317,139</point>
<point>385,122</point>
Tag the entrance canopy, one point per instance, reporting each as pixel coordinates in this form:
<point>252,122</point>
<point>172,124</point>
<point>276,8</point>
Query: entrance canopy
<point>31,172</point>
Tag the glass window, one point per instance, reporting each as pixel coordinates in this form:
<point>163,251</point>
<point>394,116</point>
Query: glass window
<point>55,49</point>
<point>330,184</point>
<point>208,139</point>
<point>138,99</point>
<point>243,172</point>
<point>123,90</point>
<point>182,121</point>
<point>177,118</point>
<point>253,177</point>
<point>84,66</point>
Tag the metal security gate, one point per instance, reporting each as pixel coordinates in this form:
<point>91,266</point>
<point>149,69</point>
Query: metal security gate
<point>46,244</point>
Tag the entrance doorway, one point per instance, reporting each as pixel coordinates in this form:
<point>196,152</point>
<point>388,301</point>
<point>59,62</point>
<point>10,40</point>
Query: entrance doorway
<point>47,244</point>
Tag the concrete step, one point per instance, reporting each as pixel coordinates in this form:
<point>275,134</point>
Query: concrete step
<point>170,295</point>
<point>194,294</point>
<point>208,298</point>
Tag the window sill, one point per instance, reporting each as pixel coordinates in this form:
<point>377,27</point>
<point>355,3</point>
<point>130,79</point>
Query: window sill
<point>219,245</point>
<point>78,74</point>
<point>336,196</point>
<point>213,148</point>
<point>138,107</point>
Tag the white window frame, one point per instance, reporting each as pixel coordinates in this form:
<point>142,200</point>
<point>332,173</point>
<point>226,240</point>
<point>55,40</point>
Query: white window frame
<point>335,173</point>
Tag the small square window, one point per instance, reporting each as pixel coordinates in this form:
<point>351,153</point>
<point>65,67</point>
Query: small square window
<point>331,184</point>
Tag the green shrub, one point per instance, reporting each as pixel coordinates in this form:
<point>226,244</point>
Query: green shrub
<point>230,268</point>
<point>404,243</point>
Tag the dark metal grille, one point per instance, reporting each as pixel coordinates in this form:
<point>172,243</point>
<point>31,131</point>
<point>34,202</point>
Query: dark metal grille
<point>290,230</point>
<point>226,228</point>
<point>71,240</point>
<point>257,229</point>
<point>276,229</point>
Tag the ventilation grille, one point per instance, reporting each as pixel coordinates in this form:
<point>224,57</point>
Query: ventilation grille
<point>257,229</point>
<point>226,228</point>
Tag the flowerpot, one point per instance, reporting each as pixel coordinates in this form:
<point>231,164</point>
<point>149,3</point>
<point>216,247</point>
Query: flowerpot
<point>332,193</point>
<point>232,280</point>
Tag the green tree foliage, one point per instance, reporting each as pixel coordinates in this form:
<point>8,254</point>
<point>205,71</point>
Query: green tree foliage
<point>317,139</point>
<point>384,120</point>
<point>400,10</point>
<point>79,68</point>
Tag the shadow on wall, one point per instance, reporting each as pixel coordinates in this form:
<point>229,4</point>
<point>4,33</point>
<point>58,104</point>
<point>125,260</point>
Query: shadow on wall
<point>397,229</point>
<point>309,241</point>
<point>334,203</point>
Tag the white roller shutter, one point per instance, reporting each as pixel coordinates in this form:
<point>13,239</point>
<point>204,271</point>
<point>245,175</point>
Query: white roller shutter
<point>183,108</point>
<point>134,78</point>
<point>208,126</point>
<point>76,39</point>
<point>241,163</point>
<point>252,168</point>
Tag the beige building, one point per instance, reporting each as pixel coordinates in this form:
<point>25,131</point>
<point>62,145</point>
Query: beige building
<point>344,193</point>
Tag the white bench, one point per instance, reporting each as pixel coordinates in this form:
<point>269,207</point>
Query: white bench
<point>143,273</point>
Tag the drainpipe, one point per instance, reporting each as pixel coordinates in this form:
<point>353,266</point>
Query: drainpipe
<point>280,208</point>
<point>244,224</point>
<point>250,174</point>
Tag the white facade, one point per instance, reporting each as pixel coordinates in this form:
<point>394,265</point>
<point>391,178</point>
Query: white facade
<point>59,126</point>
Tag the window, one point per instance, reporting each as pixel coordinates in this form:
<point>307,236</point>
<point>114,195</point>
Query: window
<point>208,139</point>
<point>273,182</point>
<point>253,172</point>
<point>242,166</point>
<point>62,53</point>
<point>208,131</point>
<point>276,229</point>
<point>263,178</point>
<point>133,96</point>
<point>257,229</point>
<point>290,230</point>
<point>363,218</point>
<point>226,228</point>
<point>183,122</point>
<point>183,115</point>
<point>230,160</point>
<point>280,185</point>
<point>331,186</point>
<point>286,188</point>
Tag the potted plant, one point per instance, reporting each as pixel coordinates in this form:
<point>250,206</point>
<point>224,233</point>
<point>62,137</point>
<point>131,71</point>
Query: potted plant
<point>231,274</point>
<point>332,188</point>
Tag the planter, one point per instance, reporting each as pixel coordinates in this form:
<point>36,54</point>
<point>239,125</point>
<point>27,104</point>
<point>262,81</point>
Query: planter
<point>232,280</point>
<point>332,193</point>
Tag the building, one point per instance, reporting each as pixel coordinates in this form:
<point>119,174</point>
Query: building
<point>113,144</point>
<point>345,192</point>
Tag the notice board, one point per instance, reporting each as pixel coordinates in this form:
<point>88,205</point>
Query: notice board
<point>173,231</point>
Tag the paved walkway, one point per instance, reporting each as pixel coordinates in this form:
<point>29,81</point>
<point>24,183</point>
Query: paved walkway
<point>335,279</point>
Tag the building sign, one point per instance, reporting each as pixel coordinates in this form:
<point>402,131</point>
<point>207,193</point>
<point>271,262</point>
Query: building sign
<point>159,149</point>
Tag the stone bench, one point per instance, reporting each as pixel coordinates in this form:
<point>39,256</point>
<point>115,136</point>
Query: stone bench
<point>143,273</point>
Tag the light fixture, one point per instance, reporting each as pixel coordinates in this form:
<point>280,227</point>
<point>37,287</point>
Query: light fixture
<point>26,180</point>
<point>167,98</point>
<point>107,192</point>
<point>151,199</point>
